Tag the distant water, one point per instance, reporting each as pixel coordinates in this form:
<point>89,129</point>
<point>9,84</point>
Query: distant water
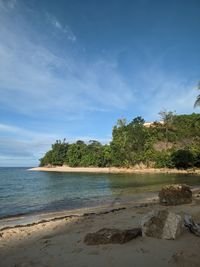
<point>26,192</point>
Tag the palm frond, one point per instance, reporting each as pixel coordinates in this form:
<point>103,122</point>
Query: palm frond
<point>197,102</point>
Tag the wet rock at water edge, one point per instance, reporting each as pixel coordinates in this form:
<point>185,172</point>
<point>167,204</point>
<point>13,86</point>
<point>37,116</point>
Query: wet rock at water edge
<point>115,236</point>
<point>175,195</point>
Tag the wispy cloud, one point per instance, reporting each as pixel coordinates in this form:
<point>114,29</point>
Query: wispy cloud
<point>17,143</point>
<point>166,91</point>
<point>7,4</point>
<point>8,128</point>
<point>63,28</point>
<point>47,76</point>
<point>35,78</point>
<point>27,147</point>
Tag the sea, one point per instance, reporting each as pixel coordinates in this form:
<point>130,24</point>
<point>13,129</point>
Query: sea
<point>24,192</point>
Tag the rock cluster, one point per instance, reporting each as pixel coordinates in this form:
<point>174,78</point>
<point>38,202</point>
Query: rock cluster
<point>162,224</point>
<point>175,195</point>
<point>106,236</point>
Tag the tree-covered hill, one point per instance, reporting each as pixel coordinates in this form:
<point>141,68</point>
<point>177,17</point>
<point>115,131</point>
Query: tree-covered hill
<point>173,143</point>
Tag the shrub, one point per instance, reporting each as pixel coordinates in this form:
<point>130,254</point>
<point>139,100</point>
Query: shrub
<point>197,160</point>
<point>182,159</point>
<point>163,160</point>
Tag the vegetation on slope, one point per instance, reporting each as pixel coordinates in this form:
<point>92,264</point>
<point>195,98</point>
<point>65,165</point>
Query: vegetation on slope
<point>173,143</point>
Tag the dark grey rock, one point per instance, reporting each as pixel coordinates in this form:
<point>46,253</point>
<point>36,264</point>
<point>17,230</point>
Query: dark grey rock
<point>106,236</point>
<point>192,226</point>
<point>175,195</point>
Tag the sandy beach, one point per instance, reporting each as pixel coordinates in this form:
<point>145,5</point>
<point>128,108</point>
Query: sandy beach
<point>112,170</point>
<point>59,242</point>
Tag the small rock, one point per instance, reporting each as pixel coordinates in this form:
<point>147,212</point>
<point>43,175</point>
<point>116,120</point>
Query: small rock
<point>106,236</point>
<point>175,195</point>
<point>192,226</point>
<point>162,224</point>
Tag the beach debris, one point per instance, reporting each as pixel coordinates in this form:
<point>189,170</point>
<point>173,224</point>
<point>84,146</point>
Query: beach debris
<point>104,212</point>
<point>162,224</point>
<point>192,226</point>
<point>114,236</point>
<point>175,195</point>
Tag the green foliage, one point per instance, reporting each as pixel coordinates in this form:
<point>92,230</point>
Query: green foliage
<point>57,155</point>
<point>59,152</point>
<point>194,148</point>
<point>164,160</point>
<point>93,154</point>
<point>173,143</point>
<point>118,144</point>
<point>75,153</point>
<point>197,160</point>
<point>47,159</point>
<point>136,141</point>
<point>182,159</point>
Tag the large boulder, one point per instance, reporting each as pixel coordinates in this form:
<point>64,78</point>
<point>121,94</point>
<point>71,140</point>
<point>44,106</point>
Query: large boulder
<point>175,195</point>
<point>162,224</point>
<point>106,236</point>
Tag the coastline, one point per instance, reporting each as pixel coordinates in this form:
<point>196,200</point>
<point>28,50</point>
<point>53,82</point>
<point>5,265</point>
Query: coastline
<point>26,220</point>
<point>58,241</point>
<point>113,170</point>
<point>23,220</point>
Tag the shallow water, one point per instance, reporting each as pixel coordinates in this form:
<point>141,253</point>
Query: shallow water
<point>26,192</point>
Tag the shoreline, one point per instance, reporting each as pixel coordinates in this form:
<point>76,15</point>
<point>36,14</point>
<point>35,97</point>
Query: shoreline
<point>60,241</point>
<point>113,170</point>
<point>26,220</point>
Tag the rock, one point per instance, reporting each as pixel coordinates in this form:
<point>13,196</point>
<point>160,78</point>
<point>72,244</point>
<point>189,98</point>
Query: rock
<point>175,195</point>
<point>106,236</point>
<point>162,224</point>
<point>192,226</point>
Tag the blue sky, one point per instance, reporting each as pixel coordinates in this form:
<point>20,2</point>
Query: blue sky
<point>71,68</point>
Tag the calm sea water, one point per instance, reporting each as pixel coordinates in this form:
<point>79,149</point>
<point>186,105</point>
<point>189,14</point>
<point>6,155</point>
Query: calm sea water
<point>25,192</point>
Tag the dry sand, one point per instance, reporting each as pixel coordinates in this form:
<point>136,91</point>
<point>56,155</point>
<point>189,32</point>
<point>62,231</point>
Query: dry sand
<point>112,170</point>
<point>60,242</point>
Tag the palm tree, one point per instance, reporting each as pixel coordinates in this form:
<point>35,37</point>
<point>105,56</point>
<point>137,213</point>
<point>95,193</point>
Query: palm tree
<point>197,102</point>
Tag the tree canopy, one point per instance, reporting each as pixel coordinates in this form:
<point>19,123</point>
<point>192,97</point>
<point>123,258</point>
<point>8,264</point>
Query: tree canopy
<point>170,143</point>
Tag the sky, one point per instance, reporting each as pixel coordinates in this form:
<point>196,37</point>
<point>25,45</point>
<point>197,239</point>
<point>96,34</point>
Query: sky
<point>71,68</point>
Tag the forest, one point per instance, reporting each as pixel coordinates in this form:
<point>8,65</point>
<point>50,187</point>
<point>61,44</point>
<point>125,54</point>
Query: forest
<point>172,142</point>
